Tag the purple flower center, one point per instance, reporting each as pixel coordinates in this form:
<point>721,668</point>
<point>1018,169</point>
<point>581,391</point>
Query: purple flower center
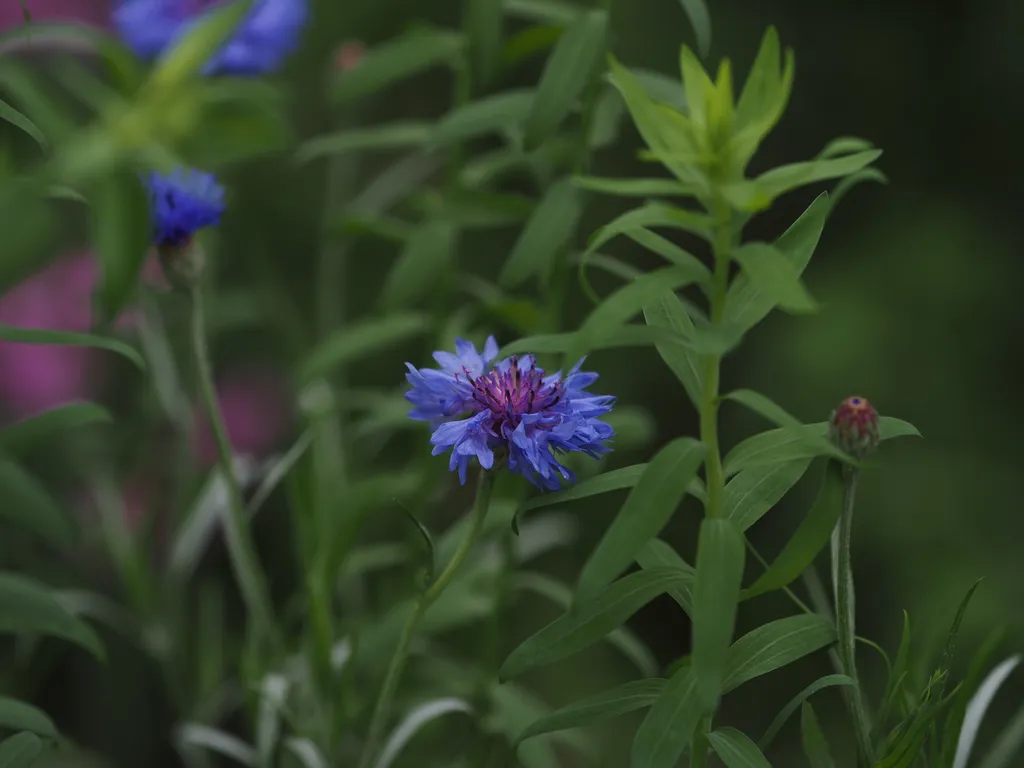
<point>513,393</point>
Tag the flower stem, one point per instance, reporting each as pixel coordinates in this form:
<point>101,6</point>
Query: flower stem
<point>382,711</point>
<point>842,574</point>
<point>241,549</point>
<point>713,363</point>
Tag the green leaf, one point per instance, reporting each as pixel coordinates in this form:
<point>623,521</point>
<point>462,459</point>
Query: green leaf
<point>649,507</point>
<point>62,338</point>
<point>652,215</point>
<point>1007,746</point>
<point>26,504</point>
<point>668,134</point>
<point>566,74</point>
<point>697,12</point>
<point>121,235</point>
<point>977,708</point>
<point>667,311</point>
<point>613,338</point>
<point>616,479</point>
<point>483,26</point>
<point>631,646</point>
<point>562,14</point>
<point>845,185</point>
<point>194,49</point>
<point>657,554</point>
<point>809,539</point>
<point>548,230</point>
<point>764,97</point>
<point>37,102</point>
<point>748,302</point>
<point>736,750</point>
<point>492,114</point>
<point>598,708</point>
<point>661,88</point>
<point>785,713</point>
<point>388,136</point>
<point>20,751</point>
<point>760,192</point>
<point>633,187</point>
<point>590,621</point>
<point>716,593</point>
<point>668,729</point>
<point>626,302</point>
<point>17,716</point>
<point>23,437</point>
<point>770,269</point>
<point>763,406</point>
<point>774,645</point>
<point>398,59</point>
<point>26,606</point>
<point>417,719</point>
<point>18,120</point>
<point>423,262</point>
<point>815,744</point>
<point>755,490</point>
<point>361,340</point>
<point>512,710</point>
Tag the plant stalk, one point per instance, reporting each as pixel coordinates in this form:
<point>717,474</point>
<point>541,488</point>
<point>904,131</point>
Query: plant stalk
<point>241,549</point>
<point>842,574</point>
<point>382,711</point>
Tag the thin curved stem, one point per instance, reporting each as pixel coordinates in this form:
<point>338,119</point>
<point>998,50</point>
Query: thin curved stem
<point>845,612</point>
<point>382,710</point>
<point>241,549</point>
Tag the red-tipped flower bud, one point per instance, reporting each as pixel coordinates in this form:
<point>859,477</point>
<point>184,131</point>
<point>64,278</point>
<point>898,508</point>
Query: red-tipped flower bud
<point>854,427</point>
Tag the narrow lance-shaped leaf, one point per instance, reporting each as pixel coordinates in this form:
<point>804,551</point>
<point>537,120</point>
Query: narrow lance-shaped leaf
<point>667,311</point>
<point>649,507</point>
<point>422,263</point>
<point>616,479</point>
<point>15,118</point>
<point>977,708</point>
<point>194,49</point>
<point>810,538</point>
<point>546,233</point>
<point>736,750</point>
<point>769,268</point>
<point>356,341</point>
<point>626,302</point>
<point>389,136</point>
<point>398,59</point>
<point>27,606</point>
<point>565,77</point>
<point>492,114</point>
<point>755,490</point>
<point>786,712</point>
<point>668,729</point>
<point>483,23</point>
<point>122,230</point>
<point>23,437</point>
<point>68,339</point>
<point>20,750</point>
<point>598,708</point>
<point>26,504</point>
<point>815,744</point>
<point>774,645</point>
<point>700,20</point>
<point>18,716</point>
<point>657,554</point>
<point>716,591</point>
<point>590,621</point>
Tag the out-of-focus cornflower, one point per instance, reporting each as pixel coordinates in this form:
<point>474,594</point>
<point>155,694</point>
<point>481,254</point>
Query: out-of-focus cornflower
<point>183,202</point>
<point>256,415</point>
<point>95,12</point>
<point>265,37</point>
<point>511,409</point>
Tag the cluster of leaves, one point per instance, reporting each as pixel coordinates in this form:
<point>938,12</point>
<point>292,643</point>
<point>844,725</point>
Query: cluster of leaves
<point>498,159</point>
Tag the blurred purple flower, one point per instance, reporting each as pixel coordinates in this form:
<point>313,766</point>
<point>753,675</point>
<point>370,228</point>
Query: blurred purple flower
<point>269,33</point>
<point>95,12</point>
<point>256,415</point>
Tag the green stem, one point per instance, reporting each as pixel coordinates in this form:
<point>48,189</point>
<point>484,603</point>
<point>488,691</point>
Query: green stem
<point>845,612</point>
<point>241,549</point>
<point>382,711</point>
<point>713,364</point>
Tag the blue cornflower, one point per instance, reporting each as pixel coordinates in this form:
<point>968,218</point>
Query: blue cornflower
<point>511,408</point>
<point>270,32</point>
<point>183,202</point>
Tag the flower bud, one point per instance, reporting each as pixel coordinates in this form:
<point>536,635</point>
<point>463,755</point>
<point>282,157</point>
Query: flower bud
<point>182,264</point>
<point>853,427</point>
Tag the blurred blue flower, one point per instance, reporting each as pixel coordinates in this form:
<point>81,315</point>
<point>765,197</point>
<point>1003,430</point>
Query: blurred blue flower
<point>183,202</point>
<point>269,33</point>
<point>512,408</point>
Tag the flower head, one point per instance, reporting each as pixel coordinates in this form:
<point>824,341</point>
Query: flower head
<point>260,44</point>
<point>512,408</point>
<point>854,427</point>
<point>183,202</point>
